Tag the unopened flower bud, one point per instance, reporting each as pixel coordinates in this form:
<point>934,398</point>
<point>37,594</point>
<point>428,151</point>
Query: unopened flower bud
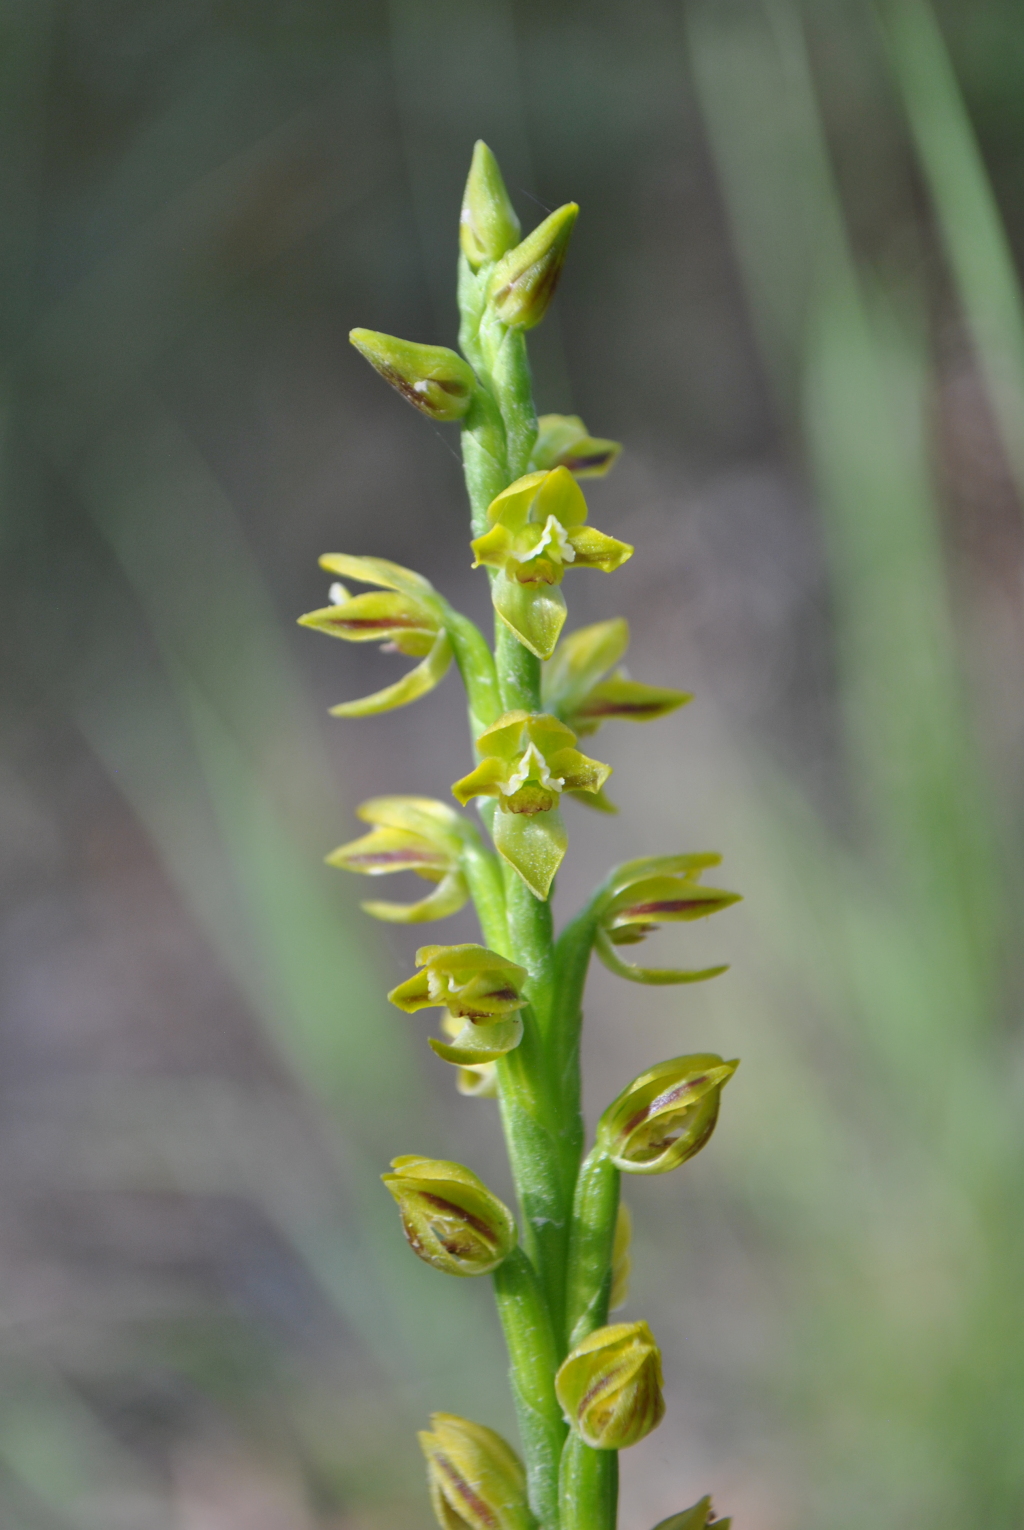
<point>450,1218</point>
<point>435,380</point>
<point>666,1115</point>
<point>476,1480</point>
<point>610,1386</point>
<point>563,441</point>
<point>700,1517</point>
<point>488,225</point>
<point>525,279</point>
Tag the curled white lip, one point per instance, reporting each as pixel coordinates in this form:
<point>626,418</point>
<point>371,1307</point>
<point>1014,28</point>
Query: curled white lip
<point>554,536</point>
<point>532,767</point>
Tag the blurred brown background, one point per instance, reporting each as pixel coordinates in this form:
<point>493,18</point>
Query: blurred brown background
<point>792,295</point>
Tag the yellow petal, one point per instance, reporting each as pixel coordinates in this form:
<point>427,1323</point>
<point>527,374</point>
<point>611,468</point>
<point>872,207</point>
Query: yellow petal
<point>594,550</point>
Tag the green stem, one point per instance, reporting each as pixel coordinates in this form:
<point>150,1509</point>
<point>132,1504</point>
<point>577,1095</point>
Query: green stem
<point>484,456</point>
<point>518,671</point>
<point>588,1487</point>
<point>531,1118</point>
<point>508,366</point>
<point>591,1240</point>
<point>531,1350</point>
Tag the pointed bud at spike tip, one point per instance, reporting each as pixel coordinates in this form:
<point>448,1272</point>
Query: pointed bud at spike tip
<point>449,1217</point>
<point>488,226</point>
<point>610,1386</point>
<point>525,279</point>
<point>432,378</point>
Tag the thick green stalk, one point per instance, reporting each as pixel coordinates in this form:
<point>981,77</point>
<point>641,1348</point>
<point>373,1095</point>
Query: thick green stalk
<point>531,1348</point>
<point>588,1487</point>
<point>591,1240</point>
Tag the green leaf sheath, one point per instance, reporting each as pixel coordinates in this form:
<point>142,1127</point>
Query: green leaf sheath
<point>533,1359</point>
<point>591,1239</point>
<point>588,1487</point>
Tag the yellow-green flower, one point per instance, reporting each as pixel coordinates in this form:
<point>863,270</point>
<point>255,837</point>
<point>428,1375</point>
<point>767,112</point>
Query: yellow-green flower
<point>411,834</point>
<point>528,762</point>
<point>406,615</point>
<point>666,1115</point>
<point>564,441</point>
<point>643,894</point>
<point>476,1481</point>
<point>610,1386</point>
<point>700,1517</point>
<point>538,530</point>
<point>474,985</point>
<point>449,1217</point>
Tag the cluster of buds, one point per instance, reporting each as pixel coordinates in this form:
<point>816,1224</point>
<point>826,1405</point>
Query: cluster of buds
<point>530,517</point>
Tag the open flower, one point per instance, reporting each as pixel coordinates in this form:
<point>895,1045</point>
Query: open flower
<point>666,1115</point>
<point>610,1386</point>
<point>449,1217</point>
<point>538,530</point>
<point>410,834</point>
<point>563,441</point>
<point>406,614</point>
<point>474,985</point>
<point>528,762</point>
<point>642,894</point>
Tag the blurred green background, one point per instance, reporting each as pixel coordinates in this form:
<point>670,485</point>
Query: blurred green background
<point>793,295</point>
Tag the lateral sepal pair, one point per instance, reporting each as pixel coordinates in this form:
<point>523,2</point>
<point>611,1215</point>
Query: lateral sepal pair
<point>405,614</point>
<point>529,760</point>
<point>414,834</point>
<point>642,894</point>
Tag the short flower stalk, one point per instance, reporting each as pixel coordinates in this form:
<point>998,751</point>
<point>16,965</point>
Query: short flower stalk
<point>510,1008</point>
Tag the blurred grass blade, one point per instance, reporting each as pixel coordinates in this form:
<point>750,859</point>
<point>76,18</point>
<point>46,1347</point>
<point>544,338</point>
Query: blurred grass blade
<point>965,205</point>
